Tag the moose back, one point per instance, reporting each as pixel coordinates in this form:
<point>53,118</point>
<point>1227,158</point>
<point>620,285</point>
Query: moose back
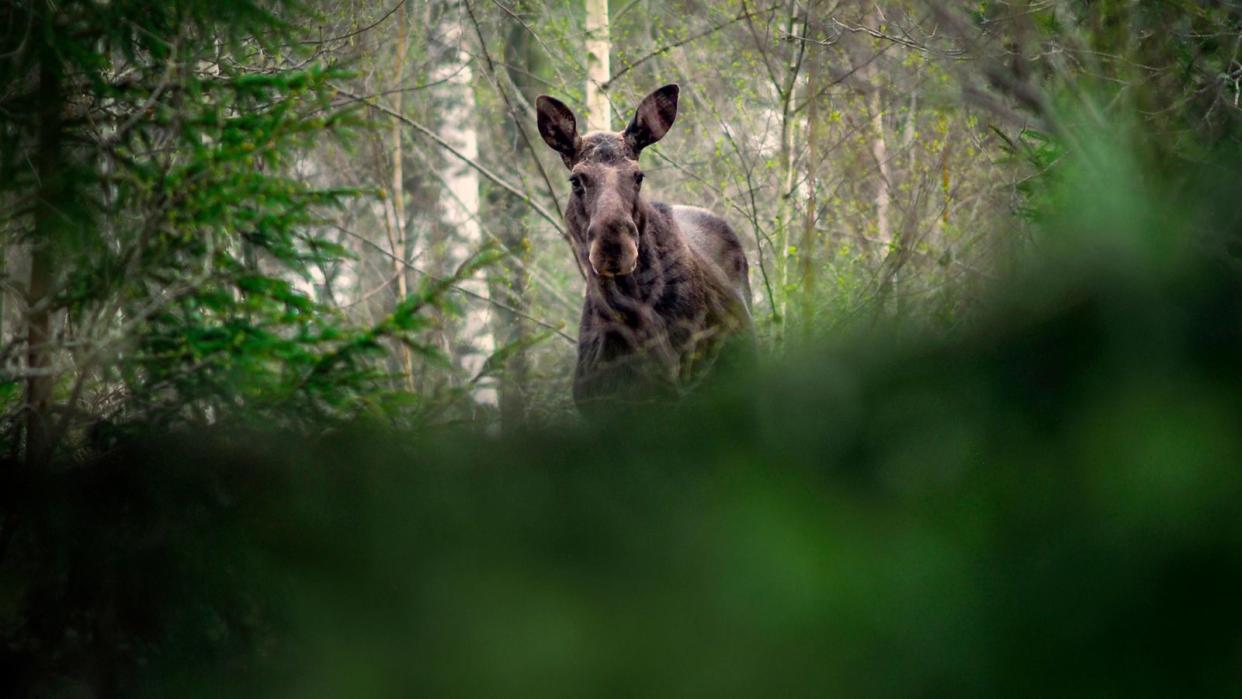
<point>667,292</point>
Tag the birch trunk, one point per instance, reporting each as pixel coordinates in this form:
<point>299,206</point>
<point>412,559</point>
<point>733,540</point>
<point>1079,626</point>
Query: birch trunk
<point>806,249</point>
<point>398,226</point>
<point>879,148</point>
<point>459,213</point>
<point>879,152</point>
<point>789,173</point>
<point>598,48</point>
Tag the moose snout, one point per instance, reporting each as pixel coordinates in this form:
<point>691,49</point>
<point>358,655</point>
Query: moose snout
<point>614,253</point>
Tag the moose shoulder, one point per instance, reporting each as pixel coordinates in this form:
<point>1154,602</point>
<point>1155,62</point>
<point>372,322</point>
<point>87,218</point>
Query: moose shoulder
<point>667,294</point>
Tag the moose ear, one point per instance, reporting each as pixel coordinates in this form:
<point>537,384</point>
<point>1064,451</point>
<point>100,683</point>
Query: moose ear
<point>653,119</point>
<point>558,127</point>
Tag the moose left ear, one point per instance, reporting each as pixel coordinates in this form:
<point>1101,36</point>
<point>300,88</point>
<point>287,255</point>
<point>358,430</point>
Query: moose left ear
<point>653,119</point>
<point>558,128</point>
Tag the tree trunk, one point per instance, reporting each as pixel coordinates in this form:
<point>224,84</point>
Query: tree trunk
<point>807,247</point>
<point>48,223</point>
<point>599,48</point>
<point>879,153</point>
<point>472,342</point>
<point>789,174</point>
<point>399,243</point>
<point>509,280</point>
<point>17,271</point>
<point>879,147</point>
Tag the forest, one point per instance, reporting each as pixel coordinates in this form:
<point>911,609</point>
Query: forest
<point>310,315</point>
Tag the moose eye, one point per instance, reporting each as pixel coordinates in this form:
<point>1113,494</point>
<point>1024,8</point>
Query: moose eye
<point>576,182</point>
<point>638,178</point>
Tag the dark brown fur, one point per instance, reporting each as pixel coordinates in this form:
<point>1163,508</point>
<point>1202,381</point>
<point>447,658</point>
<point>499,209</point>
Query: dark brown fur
<point>667,286</point>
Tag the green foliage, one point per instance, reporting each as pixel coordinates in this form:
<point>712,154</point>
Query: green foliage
<point>1044,505</point>
<point>188,223</point>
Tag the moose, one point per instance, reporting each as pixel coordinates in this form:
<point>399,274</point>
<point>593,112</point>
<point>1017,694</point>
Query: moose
<point>667,286</point>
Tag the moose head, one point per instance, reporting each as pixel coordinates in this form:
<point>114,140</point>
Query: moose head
<point>604,212</point>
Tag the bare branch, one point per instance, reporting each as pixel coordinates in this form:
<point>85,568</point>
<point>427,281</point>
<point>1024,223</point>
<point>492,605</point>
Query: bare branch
<point>693,37</point>
<point>474,164</point>
<point>542,323</point>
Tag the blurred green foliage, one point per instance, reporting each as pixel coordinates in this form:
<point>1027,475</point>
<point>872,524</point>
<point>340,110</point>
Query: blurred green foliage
<point>1045,505</point>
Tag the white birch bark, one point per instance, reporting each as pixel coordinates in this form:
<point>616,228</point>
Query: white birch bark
<point>399,246</point>
<point>879,146</point>
<point>460,210</point>
<point>879,152</point>
<point>598,48</point>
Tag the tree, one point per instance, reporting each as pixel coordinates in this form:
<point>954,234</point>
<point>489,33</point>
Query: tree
<point>598,53</point>
<point>398,242</point>
<point>170,232</point>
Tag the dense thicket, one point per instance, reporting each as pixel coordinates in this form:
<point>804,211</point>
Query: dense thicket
<point>161,228</point>
<point>250,209</point>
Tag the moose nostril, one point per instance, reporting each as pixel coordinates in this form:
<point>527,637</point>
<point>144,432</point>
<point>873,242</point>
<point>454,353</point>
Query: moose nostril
<point>614,257</point>
<point>609,248</point>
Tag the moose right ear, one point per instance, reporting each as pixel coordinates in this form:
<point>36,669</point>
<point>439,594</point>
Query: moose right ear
<point>558,127</point>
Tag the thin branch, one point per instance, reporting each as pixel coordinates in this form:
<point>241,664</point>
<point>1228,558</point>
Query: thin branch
<point>753,215</point>
<point>513,112</point>
<point>542,323</point>
<point>474,164</point>
<point>376,23</point>
<point>669,47</point>
<point>518,18</point>
<point>537,275</point>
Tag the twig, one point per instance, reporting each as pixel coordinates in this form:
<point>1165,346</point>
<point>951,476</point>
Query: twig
<point>474,164</point>
<point>753,215</point>
<point>376,23</point>
<point>513,114</point>
<point>542,323</point>
<point>669,47</point>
